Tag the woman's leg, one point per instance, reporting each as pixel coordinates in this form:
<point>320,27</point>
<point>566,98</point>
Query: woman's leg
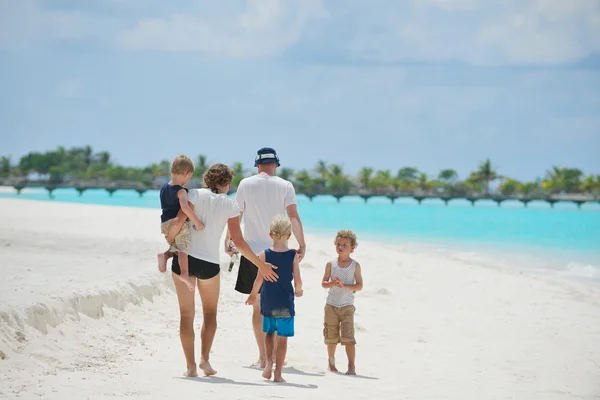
<point>209,293</point>
<point>186,323</point>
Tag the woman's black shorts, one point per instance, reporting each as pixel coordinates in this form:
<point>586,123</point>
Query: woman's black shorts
<point>199,268</point>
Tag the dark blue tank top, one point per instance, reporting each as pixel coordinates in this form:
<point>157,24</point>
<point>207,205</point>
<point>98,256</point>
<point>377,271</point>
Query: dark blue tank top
<point>169,202</point>
<point>277,298</point>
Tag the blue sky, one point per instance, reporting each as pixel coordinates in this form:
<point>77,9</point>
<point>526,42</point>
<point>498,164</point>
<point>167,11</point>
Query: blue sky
<point>385,83</point>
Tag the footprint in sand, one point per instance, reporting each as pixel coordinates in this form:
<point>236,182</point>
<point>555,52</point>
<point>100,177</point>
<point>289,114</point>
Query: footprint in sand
<point>383,291</point>
<point>359,328</point>
<point>20,336</point>
<point>2,355</point>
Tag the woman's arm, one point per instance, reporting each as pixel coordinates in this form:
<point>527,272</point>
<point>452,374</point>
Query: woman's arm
<point>265,269</point>
<point>257,284</point>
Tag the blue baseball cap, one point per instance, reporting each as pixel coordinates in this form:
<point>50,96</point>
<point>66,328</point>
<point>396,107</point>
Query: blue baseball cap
<point>266,155</point>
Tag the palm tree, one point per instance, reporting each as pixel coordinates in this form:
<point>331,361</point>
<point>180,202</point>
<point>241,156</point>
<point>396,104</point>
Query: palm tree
<point>407,178</point>
<point>322,169</point>
<point>364,177</point>
<point>486,174</point>
<point>304,182</point>
<point>338,183</point>
<point>5,166</point>
<point>423,182</point>
<point>238,169</point>
<point>286,173</point>
<point>102,158</point>
<point>510,186</point>
<point>448,176</point>
<point>201,166</point>
<point>591,184</point>
<point>383,181</point>
<point>563,180</point>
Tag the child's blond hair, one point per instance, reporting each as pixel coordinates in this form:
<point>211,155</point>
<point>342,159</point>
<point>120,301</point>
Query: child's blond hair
<point>181,165</point>
<point>281,227</point>
<point>347,234</point>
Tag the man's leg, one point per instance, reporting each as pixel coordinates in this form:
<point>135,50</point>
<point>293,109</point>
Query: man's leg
<point>209,294</point>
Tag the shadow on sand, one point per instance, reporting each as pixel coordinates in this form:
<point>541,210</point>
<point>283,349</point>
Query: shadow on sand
<point>291,371</point>
<point>357,376</point>
<point>218,379</point>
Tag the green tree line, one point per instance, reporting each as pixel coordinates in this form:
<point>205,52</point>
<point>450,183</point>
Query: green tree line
<point>83,163</point>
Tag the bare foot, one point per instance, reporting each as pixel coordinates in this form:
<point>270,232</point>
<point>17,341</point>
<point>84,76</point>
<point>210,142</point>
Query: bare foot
<point>206,368</point>
<point>331,365</point>
<point>279,379</point>
<point>284,362</point>
<point>268,371</point>
<point>259,364</point>
<point>188,281</point>
<point>351,371</point>
<point>191,372</point>
<point>162,262</point>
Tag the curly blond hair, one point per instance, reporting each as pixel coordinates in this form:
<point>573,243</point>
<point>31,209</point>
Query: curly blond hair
<point>280,227</point>
<point>347,234</point>
<point>181,165</point>
<point>217,175</point>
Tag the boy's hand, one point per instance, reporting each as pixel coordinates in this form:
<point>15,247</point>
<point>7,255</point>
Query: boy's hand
<point>337,281</point>
<point>198,225</point>
<point>299,293</point>
<point>251,300</point>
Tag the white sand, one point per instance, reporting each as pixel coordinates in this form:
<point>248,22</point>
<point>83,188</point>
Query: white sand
<point>85,314</point>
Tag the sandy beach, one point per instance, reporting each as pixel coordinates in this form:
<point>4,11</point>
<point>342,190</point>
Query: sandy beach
<point>84,314</point>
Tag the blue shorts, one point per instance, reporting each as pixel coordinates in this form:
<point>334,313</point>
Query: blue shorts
<point>283,326</point>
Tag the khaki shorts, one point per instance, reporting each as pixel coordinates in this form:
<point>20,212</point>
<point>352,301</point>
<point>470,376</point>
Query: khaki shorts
<point>183,238</point>
<point>339,325</point>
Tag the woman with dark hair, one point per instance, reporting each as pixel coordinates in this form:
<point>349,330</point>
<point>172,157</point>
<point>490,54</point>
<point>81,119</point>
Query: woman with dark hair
<point>215,209</point>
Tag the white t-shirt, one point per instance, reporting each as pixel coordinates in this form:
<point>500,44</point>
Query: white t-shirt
<point>213,210</point>
<point>261,198</point>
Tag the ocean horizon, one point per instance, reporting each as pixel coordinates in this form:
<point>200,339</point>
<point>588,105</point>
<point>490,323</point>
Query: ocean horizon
<point>563,239</point>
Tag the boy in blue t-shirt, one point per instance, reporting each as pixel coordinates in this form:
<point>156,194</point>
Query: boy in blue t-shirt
<point>176,208</point>
<point>277,298</point>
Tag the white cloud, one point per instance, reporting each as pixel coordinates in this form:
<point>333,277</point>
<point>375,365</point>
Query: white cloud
<point>264,28</point>
<point>510,32</point>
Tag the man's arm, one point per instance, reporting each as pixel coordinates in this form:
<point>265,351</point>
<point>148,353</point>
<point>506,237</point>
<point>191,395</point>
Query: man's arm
<point>297,229</point>
<point>265,269</point>
<point>228,250</point>
<point>185,207</point>
<point>297,277</point>
<point>358,285</point>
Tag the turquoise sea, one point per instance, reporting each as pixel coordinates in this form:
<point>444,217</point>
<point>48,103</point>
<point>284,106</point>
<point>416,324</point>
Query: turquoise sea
<point>561,238</point>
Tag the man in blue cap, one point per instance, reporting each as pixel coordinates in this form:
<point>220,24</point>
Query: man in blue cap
<point>261,198</point>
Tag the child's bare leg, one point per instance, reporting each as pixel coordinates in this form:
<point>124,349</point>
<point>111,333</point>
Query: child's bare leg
<point>331,357</point>
<point>280,358</point>
<point>185,275</point>
<point>269,345</point>
<point>176,226</point>
<point>162,260</point>
<point>351,353</point>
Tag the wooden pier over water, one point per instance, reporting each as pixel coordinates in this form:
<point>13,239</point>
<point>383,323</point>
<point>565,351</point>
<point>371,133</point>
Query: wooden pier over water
<point>82,185</point>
